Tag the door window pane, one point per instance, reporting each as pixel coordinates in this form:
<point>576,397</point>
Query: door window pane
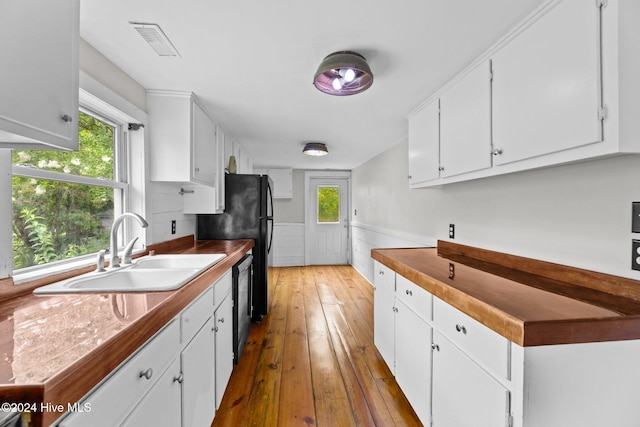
<point>328,205</point>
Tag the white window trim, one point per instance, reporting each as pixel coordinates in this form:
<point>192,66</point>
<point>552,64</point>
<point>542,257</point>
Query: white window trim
<point>105,103</point>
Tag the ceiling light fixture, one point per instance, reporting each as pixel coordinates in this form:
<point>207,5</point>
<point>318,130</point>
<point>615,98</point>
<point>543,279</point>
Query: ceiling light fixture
<point>343,73</point>
<point>315,149</point>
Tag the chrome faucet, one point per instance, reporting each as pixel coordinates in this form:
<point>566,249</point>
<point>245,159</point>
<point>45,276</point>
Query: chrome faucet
<point>115,262</point>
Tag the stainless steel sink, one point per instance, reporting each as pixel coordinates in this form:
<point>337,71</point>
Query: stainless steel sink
<point>147,274</point>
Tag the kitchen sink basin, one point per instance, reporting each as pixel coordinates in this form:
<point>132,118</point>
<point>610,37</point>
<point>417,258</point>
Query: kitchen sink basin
<point>199,261</point>
<point>146,274</point>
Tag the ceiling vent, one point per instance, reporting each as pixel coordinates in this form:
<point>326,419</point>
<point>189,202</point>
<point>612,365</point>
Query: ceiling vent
<point>157,39</point>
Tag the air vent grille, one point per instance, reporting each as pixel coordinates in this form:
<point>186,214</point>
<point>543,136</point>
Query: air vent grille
<point>156,38</point>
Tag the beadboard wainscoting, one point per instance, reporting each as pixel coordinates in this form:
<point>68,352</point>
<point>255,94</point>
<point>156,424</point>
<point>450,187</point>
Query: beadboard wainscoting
<point>365,237</point>
<point>288,244</point>
<point>167,206</point>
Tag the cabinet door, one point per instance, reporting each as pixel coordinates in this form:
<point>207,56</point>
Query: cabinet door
<point>223,346</point>
<point>204,151</point>
<point>413,360</point>
<point>198,370</point>
<point>464,395</point>
<point>282,183</point>
<point>546,87</point>
<point>465,123</point>
<point>39,76</point>
<point>424,144</point>
<point>384,324</point>
<point>161,406</point>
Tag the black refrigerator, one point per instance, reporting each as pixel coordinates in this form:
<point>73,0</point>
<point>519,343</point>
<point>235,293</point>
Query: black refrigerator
<point>248,214</point>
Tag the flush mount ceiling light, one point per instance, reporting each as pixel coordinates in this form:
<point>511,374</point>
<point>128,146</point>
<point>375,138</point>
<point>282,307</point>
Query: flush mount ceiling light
<point>157,39</point>
<point>343,73</point>
<point>315,149</point>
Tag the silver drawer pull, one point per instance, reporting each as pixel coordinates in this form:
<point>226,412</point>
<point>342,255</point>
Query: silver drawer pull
<point>461,328</point>
<point>147,374</point>
<point>178,379</point>
<point>221,320</point>
<point>435,347</point>
<point>408,292</point>
<point>380,272</point>
<point>67,118</point>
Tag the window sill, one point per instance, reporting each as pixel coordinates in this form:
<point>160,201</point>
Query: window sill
<point>32,274</point>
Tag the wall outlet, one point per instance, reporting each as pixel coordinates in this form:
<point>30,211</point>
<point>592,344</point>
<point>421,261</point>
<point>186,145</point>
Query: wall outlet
<point>173,226</point>
<point>635,217</point>
<point>452,231</point>
<point>635,254</point>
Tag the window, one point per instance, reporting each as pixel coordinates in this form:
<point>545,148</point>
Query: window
<point>328,205</point>
<point>64,202</point>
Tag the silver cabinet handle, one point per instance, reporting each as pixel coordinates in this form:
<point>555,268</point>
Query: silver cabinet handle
<point>221,320</point>
<point>461,328</point>
<point>408,292</point>
<point>435,347</point>
<point>67,118</point>
<point>381,272</point>
<point>497,151</point>
<point>214,329</point>
<point>179,378</point>
<point>147,374</point>
<point>441,168</point>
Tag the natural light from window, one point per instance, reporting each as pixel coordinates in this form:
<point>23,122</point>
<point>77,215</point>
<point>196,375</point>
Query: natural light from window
<point>328,205</point>
<point>64,202</point>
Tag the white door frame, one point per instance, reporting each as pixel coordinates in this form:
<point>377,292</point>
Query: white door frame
<point>309,215</point>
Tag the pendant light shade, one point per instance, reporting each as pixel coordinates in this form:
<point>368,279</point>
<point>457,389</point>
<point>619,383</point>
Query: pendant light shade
<point>315,149</point>
<point>343,73</point>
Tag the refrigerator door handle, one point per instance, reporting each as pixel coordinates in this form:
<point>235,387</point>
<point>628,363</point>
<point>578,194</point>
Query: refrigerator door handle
<point>270,215</point>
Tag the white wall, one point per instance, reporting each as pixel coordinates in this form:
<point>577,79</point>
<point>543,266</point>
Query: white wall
<point>578,215</point>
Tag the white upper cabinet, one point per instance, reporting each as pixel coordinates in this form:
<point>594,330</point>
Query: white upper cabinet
<point>465,123</point>
<point>546,87</point>
<point>563,88</point>
<point>282,182</point>
<point>183,139</point>
<point>424,144</point>
<point>39,75</point>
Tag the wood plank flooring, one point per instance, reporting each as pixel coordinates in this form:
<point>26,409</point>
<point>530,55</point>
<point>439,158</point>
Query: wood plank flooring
<point>312,361</point>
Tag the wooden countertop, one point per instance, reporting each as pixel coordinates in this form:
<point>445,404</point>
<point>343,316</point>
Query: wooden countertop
<point>530,302</point>
<point>56,348</point>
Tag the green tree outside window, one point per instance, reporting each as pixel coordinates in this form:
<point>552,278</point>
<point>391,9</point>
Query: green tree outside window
<point>54,220</point>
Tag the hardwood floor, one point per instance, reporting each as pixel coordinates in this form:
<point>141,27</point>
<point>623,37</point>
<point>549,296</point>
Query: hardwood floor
<point>312,361</point>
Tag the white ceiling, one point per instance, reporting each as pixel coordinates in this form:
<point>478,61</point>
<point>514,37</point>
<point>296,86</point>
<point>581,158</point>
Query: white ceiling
<point>252,63</point>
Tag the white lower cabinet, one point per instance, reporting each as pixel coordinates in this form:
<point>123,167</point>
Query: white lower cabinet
<point>223,327</point>
<point>456,372</point>
<point>384,316</point>
<point>413,359</point>
<point>177,378</point>
<point>161,405</point>
<point>464,395</point>
<point>402,335</point>
<point>198,378</point>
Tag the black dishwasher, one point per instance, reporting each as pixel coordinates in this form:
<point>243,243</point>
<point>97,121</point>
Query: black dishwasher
<point>243,304</point>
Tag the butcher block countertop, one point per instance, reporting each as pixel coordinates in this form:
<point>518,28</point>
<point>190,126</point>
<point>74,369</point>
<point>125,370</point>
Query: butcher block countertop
<point>527,301</point>
<point>56,348</point>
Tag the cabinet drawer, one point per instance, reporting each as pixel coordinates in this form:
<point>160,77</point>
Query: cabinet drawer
<point>416,298</point>
<point>221,288</point>
<point>384,276</point>
<point>116,396</point>
<point>196,314</point>
<point>481,343</point>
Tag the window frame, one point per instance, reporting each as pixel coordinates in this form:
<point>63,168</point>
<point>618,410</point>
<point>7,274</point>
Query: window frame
<point>102,111</point>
